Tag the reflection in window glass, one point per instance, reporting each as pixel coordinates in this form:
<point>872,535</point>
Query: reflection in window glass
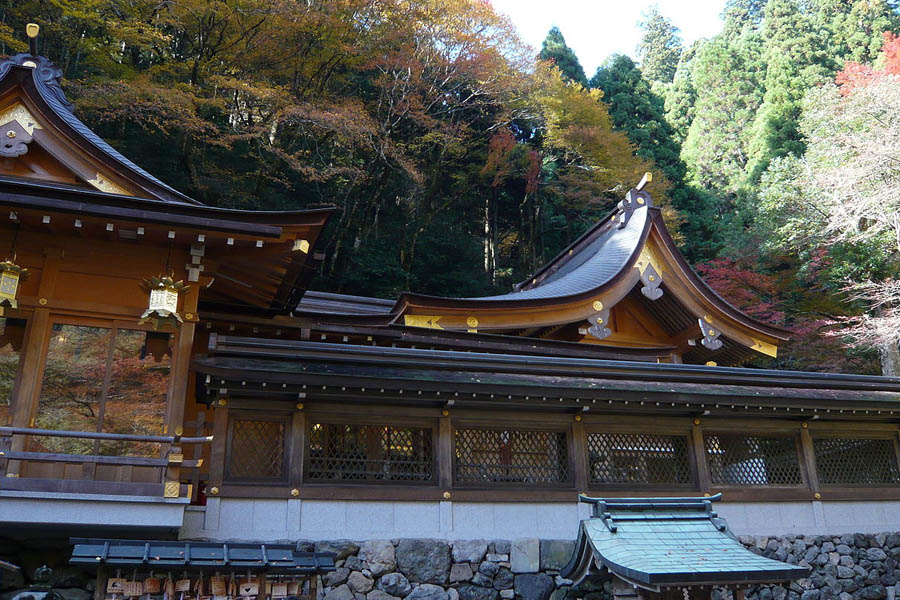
<point>12,332</point>
<point>138,383</point>
<point>74,394</point>
<point>72,386</point>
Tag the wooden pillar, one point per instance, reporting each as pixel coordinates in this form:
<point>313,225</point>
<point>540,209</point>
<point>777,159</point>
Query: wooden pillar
<point>37,338</point>
<point>579,456</point>
<point>700,456</point>
<point>217,451</point>
<point>181,363</point>
<point>808,453</point>
<point>297,449</point>
<point>445,452</point>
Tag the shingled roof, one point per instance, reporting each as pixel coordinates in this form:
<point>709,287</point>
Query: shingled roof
<point>668,542</point>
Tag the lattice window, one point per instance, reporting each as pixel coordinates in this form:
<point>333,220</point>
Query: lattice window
<point>512,457</point>
<point>848,461</point>
<point>638,459</point>
<point>257,450</point>
<point>737,459</point>
<point>369,453</point>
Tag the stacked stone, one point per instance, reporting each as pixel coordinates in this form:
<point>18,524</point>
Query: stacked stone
<point>425,569</point>
<point>847,567</point>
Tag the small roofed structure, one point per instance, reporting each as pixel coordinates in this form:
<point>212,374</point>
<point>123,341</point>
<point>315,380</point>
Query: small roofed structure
<point>667,547</point>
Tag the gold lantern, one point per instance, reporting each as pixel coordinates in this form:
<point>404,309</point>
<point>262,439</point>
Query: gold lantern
<point>10,275</point>
<point>163,305</point>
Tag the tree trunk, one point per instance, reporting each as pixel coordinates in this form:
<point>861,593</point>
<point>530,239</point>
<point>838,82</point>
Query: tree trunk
<point>889,353</point>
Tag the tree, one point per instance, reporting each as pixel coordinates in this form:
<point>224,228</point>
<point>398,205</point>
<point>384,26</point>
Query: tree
<point>849,185</point>
<point>555,50</point>
<point>681,95</point>
<point>660,47</point>
<point>638,112</point>
<point>727,74</point>
<point>795,52</point>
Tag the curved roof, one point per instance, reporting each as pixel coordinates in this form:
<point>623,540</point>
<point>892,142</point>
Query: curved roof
<point>606,253</point>
<point>661,542</point>
<point>46,78</point>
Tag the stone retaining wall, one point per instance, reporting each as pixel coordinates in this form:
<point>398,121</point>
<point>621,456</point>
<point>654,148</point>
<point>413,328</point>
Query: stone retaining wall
<point>844,568</point>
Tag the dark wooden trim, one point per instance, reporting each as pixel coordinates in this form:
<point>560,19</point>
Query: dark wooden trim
<point>699,452</point>
<point>808,460</point>
<point>246,415</point>
<point>579,455</point>
<point>218,450</point>
<point>297,448</point>
<point>135,461</point>
<point>79,486</point>
<point>444,452</point>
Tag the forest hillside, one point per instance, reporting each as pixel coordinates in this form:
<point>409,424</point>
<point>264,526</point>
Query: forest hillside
<point>460,159</point>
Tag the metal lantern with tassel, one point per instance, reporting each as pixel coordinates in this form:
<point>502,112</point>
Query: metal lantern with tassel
<point>163,306</point>
<point>10,275</point>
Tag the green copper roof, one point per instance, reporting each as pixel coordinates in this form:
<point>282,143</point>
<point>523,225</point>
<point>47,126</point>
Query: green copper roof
<point>668,542</point>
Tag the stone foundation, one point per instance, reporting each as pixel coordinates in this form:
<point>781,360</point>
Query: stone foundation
<point>845,567</point>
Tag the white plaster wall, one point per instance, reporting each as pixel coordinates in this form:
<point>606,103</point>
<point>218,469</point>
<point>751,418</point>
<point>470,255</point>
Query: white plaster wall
<point>76,509</point>
<point>290,520</point>
<point>255,520</point>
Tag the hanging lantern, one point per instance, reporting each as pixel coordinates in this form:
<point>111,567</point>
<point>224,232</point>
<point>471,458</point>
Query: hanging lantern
<point>163,306</point>
<point>10,274</point>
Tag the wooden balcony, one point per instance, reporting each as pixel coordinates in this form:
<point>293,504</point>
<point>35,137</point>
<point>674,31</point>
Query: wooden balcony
<point>170,475</point>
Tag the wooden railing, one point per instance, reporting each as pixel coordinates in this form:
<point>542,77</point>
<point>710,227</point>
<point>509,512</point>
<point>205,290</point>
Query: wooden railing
<point>171,464</point>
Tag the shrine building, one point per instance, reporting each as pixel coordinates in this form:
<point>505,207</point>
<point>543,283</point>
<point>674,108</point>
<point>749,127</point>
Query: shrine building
<point>179,415</point>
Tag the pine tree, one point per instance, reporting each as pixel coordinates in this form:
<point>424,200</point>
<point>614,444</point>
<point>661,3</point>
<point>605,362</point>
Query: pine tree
<point>660,47</point>
<point>727,74</point>
<point>556,50</point>
<point>681,95</point>
<point>795,52</point>
<point>741,14</point>
<point>640,113</point>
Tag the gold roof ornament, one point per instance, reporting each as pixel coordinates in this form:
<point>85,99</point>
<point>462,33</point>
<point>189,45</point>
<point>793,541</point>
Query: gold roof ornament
<point>162,308</point>
<point>32,30</point>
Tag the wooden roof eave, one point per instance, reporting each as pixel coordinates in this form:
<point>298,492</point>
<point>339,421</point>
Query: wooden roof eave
<point>451,360</point>
<point>268,378</point>
<point>101,205</point>
<point>46,97</point>
<point>716,301</point>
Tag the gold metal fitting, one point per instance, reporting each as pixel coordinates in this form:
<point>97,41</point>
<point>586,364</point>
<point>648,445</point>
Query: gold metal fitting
<point>2,453</point>
<point>597,305</point>
<point>817,496</point>
<point>804,425</point>
<point>706,494</point>
<point>32,30</point>
<point>577,417</point>
<point>472,322</point>
<point>213,490</point>
<point>446,495</point>
<point>299,406</point>
<point>42,302</point>
<point>11,134</point>
<point>179,430</point>
<point>295,492</point>
<point>445,413</point>
<point>223,402</point>
<point>696,421</point>
<point>189,316</point>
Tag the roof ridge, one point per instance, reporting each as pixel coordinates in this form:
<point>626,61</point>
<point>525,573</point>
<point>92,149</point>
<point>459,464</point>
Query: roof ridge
<point>47,78</point>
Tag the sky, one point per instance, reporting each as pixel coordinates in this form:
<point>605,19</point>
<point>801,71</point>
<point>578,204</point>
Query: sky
<point>594,29</point>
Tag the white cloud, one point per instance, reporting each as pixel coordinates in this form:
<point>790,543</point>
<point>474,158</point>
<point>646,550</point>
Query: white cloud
<point>597,28</point>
